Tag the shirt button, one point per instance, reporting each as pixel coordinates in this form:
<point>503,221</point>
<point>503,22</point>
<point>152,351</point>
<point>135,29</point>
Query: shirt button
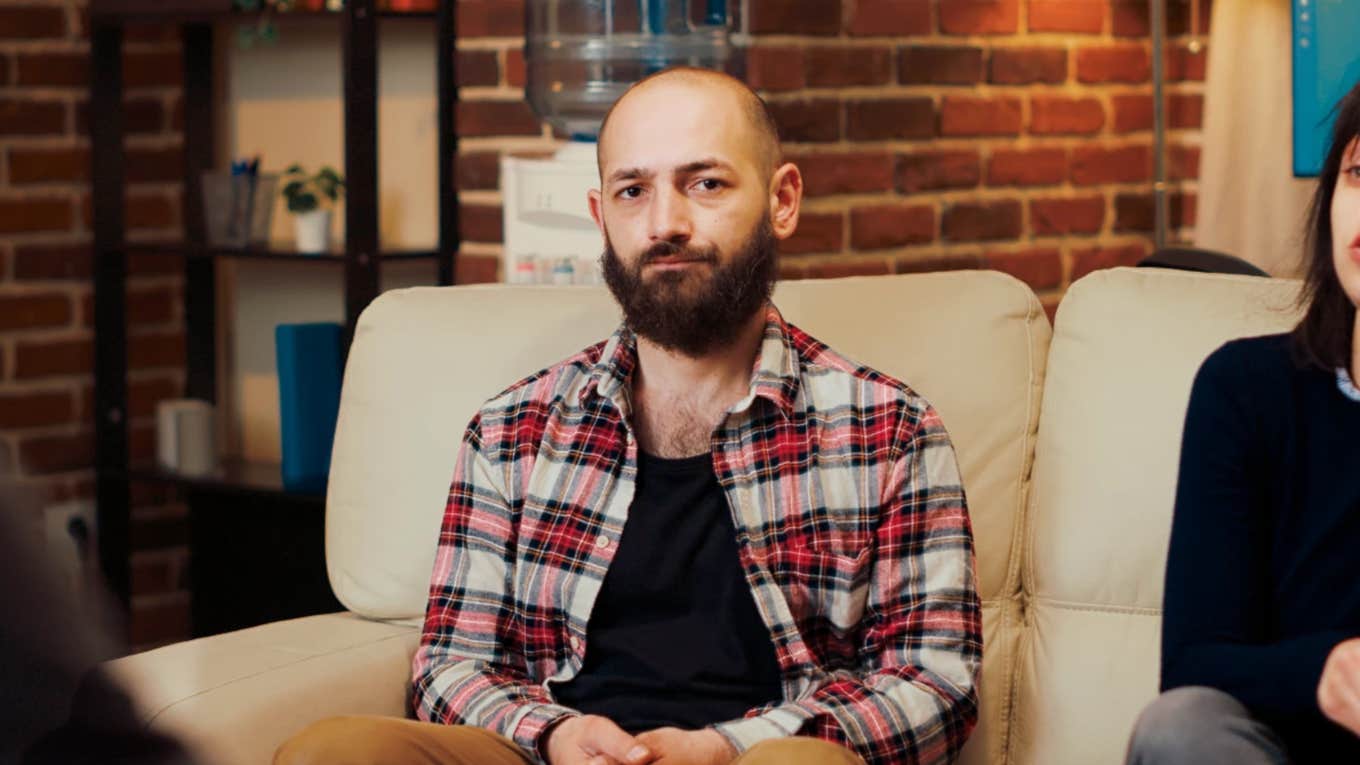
<point>602,541</point>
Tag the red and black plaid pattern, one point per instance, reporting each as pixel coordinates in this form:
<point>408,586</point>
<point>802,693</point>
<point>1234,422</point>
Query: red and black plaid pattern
<point>851,523</point>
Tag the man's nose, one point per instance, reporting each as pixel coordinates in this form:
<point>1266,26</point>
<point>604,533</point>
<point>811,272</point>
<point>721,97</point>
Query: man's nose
<point>670,217</point>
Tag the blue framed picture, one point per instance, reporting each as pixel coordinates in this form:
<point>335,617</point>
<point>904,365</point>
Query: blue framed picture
<point>1326,65</point>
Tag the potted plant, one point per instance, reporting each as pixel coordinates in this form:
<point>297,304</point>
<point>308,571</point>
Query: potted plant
<point>305,194</point>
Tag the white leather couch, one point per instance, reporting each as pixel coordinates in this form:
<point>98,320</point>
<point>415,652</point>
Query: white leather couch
<point>1068,442</point>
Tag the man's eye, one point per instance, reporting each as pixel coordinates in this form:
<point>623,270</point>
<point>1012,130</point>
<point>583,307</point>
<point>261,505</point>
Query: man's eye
<point>710,184</point>
<point>632,192</point>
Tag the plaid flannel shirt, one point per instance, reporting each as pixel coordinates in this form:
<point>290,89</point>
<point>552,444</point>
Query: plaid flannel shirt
<point>851,525</point>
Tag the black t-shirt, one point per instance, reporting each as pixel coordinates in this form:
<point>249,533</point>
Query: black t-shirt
<point>675,638</point>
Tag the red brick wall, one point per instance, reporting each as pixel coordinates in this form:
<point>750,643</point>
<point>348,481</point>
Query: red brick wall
<point>46,292</point>
<point>1006,134</point>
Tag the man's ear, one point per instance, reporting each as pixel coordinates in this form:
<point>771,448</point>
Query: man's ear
<point>786,198</point>
<point>596,202</point>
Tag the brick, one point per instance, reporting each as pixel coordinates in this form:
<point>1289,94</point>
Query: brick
<point>980,17</point>
<point>838,268</point>
<point>35,311</point>
<point>1185,111</point>
<point>1026,66</point>
<point>796,17</point>
<point>151,165</point>
<point>1092,165</point>
<point>933,170</point>
<point>896,18</point>
<point>150,210</point>
<point>489,118</point>
<point>169,264</point>
<point>151,33</point>
<point>490,18</point>
<point>1040,268</point>
<point>41,261</point>
<point>516,71</point>
<point>926,264</point>
<point>53,70</point>
<point>155,350</point>
<point>62,165</point>
<point>30,22</point>
<point>1128,63</point>
<point>1065,115</point>
<point>35,410</point>
<point>53,358</point>
<point>939,65</point>
<point>829,67</point>
<point>975,116</point>
<point>159,623</point>
<point>1027,167</point>
<point>976,221</point>
<point>851,173</point>
<point>481,223</point>
<point>148,306</point>
<point>478,170</point>
<point>1079,16</point>
<point>890,118</point>
<point>1067,215</point>
<point>1132,18</point>
<point>35,214</point>
<point>808,120</point>
<point>1132,112</point>
<point>144,395</point>
<point>775,68</point>
<point>1182,209</point>
<point>151,576</point>
<point>158,532</point>
<point>1084,261</point>
<point>5,69</point>
<point>1134,213</point>
<point>891,225</point>
<point>152,69</point>
<point>40,455</point>
<point>817,232</point>
<point>22,116</point>
<point>142,115</point>
<point>477,269</point>
<point>1184,66</point>
<point>477,67</point>
<point>1182,163</point>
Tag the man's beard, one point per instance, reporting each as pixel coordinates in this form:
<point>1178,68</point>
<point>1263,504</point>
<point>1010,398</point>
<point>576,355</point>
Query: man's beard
<point>693,319</point>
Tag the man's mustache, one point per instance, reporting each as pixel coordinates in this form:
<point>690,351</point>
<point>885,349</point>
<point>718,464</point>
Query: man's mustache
<point>683,252</point>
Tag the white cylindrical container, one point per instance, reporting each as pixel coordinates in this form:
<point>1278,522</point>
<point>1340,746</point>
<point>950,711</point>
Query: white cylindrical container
<point>313,230</point>
<point>186,440</point>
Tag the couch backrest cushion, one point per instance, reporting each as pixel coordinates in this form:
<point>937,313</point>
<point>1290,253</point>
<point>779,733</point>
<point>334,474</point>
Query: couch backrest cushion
<point>1126,346</point>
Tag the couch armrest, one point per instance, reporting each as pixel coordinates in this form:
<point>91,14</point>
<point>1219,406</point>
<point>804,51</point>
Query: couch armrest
<point>233,698</point>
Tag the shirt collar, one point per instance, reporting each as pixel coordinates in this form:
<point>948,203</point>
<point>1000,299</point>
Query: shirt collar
<point>774,375</point>
<point>1347,386</point>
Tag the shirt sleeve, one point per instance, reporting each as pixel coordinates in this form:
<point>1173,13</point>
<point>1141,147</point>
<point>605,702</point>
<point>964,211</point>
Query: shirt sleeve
<point>469,668</point>
<point>1214,626</point>
<point>915,700</point>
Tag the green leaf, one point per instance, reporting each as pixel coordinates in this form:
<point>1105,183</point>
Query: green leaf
<point>292,188</point>
<point>294,169</point>
<point>301,203</point>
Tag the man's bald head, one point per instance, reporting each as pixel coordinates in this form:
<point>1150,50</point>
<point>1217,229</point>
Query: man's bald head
<point>763,133</point>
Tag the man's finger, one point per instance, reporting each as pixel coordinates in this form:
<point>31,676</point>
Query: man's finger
<point>604,737</point>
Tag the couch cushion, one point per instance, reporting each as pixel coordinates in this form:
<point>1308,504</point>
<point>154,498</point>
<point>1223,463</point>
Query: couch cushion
<point>424,359</point>
<point>1125,349</point>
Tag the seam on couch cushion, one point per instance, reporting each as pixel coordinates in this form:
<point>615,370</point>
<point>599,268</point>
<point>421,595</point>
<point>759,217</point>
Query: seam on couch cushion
<point>151,719</point>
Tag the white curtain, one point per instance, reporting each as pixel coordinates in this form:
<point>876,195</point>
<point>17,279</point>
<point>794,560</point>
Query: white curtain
<point>1250,204</point>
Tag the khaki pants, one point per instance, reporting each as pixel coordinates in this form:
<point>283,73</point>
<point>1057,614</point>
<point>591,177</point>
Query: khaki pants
<point>369,740</point>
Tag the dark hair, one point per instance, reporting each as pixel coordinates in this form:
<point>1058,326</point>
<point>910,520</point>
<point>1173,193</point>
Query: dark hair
<point>1323,337</point>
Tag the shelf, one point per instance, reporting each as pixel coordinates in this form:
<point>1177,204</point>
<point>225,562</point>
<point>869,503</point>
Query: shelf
<point>231,476</point>
<point>263,253</point>
<point>214,10</point>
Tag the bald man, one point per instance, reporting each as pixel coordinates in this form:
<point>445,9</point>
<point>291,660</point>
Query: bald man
<point>707,539</point>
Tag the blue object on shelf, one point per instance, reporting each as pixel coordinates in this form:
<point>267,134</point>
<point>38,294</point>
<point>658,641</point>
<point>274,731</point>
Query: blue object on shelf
<point>1326,65</point>
<point>310,370</point>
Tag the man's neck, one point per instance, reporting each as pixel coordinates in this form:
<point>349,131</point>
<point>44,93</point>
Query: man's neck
<point>719,377</point>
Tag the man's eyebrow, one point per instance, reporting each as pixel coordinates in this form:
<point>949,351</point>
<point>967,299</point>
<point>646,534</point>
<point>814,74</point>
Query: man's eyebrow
<point>698,166</point>
<point>629,174</point>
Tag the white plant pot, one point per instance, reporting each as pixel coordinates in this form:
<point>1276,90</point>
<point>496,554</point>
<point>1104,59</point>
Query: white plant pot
<point>313,230</point>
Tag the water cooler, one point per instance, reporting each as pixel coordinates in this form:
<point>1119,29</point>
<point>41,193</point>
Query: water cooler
<point>580,56</point>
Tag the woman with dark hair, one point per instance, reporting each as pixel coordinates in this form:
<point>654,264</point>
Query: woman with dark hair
<point>1261,631</point>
